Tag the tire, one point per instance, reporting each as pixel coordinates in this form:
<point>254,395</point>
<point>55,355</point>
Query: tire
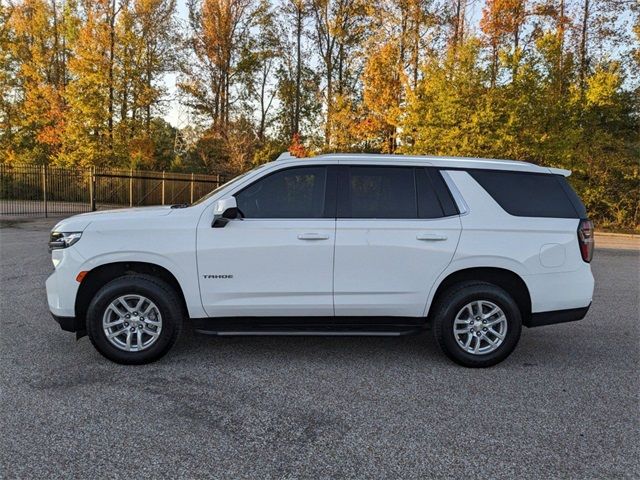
<point>469,303</point>
<point>163,321</point>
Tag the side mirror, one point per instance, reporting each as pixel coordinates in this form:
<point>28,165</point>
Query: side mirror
<point>224,210</point>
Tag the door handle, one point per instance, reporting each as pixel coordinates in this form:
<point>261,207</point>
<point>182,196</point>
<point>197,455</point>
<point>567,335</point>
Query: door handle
<point>313,236</point>
<point>433,237</point>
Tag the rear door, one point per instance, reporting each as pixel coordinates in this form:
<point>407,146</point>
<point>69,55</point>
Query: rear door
<point>396,231</point>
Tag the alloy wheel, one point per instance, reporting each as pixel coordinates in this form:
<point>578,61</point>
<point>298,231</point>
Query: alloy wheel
<point>480,327</point>
<point>132,323</point>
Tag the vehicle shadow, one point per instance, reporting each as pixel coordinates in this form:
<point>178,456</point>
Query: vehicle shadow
<point>301,348</point>
<point>558,346</point>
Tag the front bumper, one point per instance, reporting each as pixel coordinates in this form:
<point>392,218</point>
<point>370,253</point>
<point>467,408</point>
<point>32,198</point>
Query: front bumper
<point>62,289</point>
<point>61,285</point>
<point>557,316</point>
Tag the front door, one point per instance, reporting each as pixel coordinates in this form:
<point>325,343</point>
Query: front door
<point>394,237</point>
<point>278,259</point>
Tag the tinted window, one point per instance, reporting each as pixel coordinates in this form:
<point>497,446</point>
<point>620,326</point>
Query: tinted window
<point>292,193</point>
<point>428,204</point>
<point>449,206</point>
<point>379,192</point>
<point>573,196</point>
<point>527,194</point>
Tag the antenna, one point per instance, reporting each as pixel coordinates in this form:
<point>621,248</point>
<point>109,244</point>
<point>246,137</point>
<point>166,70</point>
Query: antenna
<point>284,156</point>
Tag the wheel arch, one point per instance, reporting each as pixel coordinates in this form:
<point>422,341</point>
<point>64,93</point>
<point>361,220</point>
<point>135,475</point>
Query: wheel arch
<point>506,279</point>
<point>97,277</point>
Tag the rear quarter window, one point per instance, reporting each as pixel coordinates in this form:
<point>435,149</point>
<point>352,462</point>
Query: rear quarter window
<point>531,194</point>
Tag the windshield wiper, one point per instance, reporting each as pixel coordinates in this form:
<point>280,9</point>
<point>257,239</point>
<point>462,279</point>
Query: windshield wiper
<point>180,205</point>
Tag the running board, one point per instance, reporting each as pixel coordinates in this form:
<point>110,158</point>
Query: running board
<point>310,326</point>
<point>312,333</point>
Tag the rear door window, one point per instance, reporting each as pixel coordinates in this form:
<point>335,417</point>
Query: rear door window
<point>429,206</point>
<point>378,192</point>
<point>393,192</point>
<point>530,194</point>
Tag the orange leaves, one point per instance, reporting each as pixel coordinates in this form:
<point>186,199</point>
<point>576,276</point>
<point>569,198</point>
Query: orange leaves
<point>297,148</point>
<point>141,152</point>
<point>501,18</point>
<point>383,81</point>
<point>36,33</point>
<point>383,93</point>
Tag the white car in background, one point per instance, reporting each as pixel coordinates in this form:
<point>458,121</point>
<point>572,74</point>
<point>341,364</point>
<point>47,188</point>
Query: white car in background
<point>334,245</point>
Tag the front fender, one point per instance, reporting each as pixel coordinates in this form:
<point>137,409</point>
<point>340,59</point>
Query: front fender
<point>186,276</point>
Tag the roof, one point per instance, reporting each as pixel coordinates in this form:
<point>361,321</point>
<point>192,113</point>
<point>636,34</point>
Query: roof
<point>432,160</point>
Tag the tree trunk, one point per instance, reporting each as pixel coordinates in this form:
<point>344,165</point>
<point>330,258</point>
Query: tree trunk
<point>583,44</point>
<point>458,32</point>
<point>263,107</point>
<point>403,38</point>
<point>516,45</point>
<point>415,54</point>
<point>340,67</point>
<point>494,63</point>
<point>561,57</point>
<point>327,126</point>
<point>148,79</point>
<point>296,114</point>
<point>112,42</point>
<point>56,46</point>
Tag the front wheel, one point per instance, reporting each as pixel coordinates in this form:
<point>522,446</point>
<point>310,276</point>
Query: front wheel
<point>477,324</point>
<point>134,319</point>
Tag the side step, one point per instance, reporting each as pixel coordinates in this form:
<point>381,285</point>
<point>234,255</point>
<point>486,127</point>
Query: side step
<point>312,326</point>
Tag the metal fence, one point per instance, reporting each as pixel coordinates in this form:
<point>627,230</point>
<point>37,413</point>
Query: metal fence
<point>40,190</point>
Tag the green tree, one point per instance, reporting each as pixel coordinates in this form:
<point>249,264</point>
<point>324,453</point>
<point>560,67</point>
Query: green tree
<point>36,35</point>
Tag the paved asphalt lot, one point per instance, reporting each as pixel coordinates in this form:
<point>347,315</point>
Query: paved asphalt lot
<point>564,405</point>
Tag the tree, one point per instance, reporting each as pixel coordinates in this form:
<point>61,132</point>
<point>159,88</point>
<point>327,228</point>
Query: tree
<point>502,20</point>
<point>260,59</point>
<point>339,28</point>
<point>383,82</point>
<point>298,10</point>
<point>9,84</point>
<point>155,22</point>
<point>447,113</point>
<point>145,34</point>
<point>458,18</point>
<point>36,36</point>
<point>91,94</point>
<point>298,85</point>
<point>217,30</point>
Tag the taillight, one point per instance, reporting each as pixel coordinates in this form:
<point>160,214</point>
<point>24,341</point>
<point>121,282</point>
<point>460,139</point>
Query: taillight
<point>585,239</point>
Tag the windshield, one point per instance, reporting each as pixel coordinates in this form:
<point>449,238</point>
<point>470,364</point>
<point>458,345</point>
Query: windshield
<point>225,185</point>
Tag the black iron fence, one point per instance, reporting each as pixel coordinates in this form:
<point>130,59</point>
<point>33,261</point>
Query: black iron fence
<point>41,190</point>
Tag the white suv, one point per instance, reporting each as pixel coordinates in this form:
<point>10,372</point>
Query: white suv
<point>334,245</point>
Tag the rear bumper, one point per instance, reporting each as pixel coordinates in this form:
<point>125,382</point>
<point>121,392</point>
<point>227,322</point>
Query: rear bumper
<point>557,316</point>
<point>551,292</point>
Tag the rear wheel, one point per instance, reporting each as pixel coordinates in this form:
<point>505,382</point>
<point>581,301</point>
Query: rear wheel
<point>134,319</point>
<point>477,324</point>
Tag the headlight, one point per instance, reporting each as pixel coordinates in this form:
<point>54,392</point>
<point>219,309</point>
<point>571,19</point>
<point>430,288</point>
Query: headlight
<point>63,239</point>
